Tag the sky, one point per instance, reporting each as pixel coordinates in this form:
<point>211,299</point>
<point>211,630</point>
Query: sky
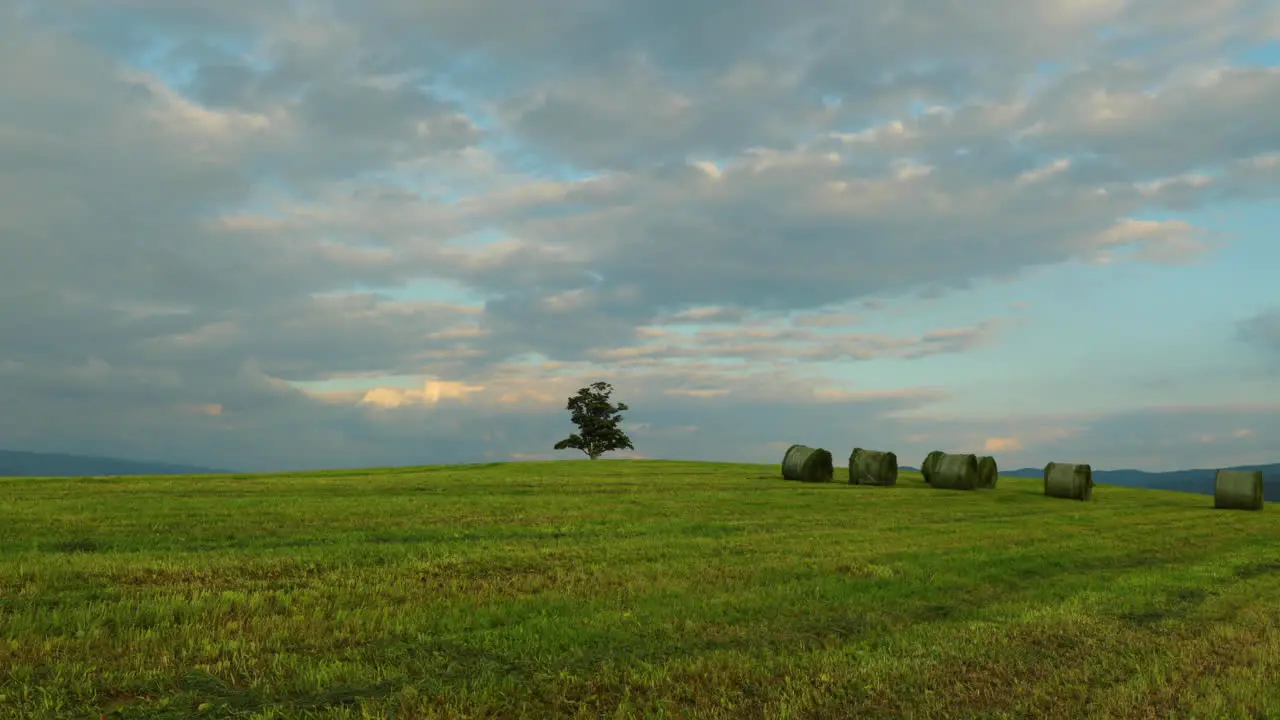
<point>281,236</point>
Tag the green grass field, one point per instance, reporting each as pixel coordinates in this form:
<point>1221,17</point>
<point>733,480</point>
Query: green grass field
<point>628,589</point>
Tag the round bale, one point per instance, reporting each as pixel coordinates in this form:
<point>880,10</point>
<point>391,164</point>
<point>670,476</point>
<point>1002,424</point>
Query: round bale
<point>1238,490</point>
<point>787,454</point>
<point>988,473</point>
<point>955,472</point>
<point>930,464</point>
<point>807,464</point>
<point>873,467</point>
<point>1068,480</point>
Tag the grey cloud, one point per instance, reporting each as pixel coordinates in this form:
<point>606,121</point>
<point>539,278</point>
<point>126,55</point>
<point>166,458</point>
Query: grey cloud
<point>100,194</point>
<point>1263,330</point>
<point>869,53</point>
<point>619,66</point>
<point>223,85</point>
<point>826,319</point>
<point>115,208</point>
<point>53,325</point>
<point>1253,179</point>
<point>704,241</point>
<point>1224,118</point>
<point>869,56</point>
<point>634,116</point>
<point>703,316</point>
<point>807,248</point>
<point>96,378</point>
<point>740,240</point>
<point>338,119</point>
<point>352,110</point>
<point>590,317</point>
<point>790,344</point>
<point>319,337</point>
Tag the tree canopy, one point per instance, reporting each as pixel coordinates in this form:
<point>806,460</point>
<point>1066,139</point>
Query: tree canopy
<point>597,420</point>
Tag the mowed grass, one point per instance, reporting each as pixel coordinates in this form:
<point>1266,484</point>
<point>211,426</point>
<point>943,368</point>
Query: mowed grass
<point>628,589</point>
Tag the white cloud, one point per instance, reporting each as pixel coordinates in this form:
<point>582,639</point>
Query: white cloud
<point>432,392</point>
<point>1001,444</point>
<point>1156,241</point>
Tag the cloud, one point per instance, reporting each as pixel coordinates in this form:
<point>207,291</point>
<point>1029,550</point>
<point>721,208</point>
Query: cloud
<point>293,235</point>
<point>432,392</point>
<point>776,340</point>
<point>696,393</point>
<point>1169,242</point>
<point>211,409</point>
<point>1263,331</point>
<point>1179,128</point>
<point>1001,444</point>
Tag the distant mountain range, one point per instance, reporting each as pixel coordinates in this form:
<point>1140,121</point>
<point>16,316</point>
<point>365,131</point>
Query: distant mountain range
<point>31,464</point>
<point>1192,481</point>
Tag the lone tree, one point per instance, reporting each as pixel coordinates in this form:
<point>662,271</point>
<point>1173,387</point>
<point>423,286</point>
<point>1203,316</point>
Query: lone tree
<point>597,421</point>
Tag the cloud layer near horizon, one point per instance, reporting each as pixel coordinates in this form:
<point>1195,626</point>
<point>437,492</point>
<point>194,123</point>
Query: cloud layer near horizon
<point>345,234</point>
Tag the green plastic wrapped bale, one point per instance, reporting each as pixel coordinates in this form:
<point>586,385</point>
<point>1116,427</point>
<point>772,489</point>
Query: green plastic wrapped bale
<point>1068,480</point>
<point>954,472</point>
<point>1238,490</point>
<point>786,455</point>
<point>988,473</point>
<point>873,467</point>
<point>930,464</point>
<point>807,464</point>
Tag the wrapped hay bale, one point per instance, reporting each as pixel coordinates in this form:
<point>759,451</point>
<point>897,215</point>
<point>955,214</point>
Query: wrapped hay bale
<point>930,463</point>
<point>954,472</point>
<point>807,464</point>
<point>873,467</point>
<point>988,473</point>
<point>1068,480</point>
<point>785,457</point>
<point>787,454</point>
<point>1238,490</point>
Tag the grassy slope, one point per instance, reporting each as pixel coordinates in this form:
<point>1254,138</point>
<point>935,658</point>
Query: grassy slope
<point>627,588</point>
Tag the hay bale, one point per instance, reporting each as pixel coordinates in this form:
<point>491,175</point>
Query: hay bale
<point>954,472</point>
<point>1238,490</point>
<point>930,464</point>
<point>787,454</point>
<point>807,464</point>
<point>1068,480</point>
<point>988,473</point>
<point>786,457</point>
<point>873,467</point>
